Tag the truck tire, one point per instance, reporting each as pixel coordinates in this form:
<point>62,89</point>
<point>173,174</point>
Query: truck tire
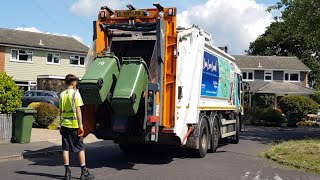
<point>214,137</point>
<point>235,138</point>
<point>204,135</point>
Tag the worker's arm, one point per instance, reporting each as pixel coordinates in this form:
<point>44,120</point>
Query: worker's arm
<point>60,113</point>
<point>60,117</point>
<point>79,117</point>
<point>78,104</point>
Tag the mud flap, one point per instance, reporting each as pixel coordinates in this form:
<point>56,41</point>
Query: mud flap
<point>193,140</point>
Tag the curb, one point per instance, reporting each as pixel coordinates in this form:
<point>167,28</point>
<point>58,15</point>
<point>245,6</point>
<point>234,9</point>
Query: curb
<point>17,157</point>
<point>11,158</point>
<point>30,155</point>
<point>41,154</point>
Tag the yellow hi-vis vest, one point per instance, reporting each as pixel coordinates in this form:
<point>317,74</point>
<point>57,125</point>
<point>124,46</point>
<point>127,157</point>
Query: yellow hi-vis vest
<point>69,100</point>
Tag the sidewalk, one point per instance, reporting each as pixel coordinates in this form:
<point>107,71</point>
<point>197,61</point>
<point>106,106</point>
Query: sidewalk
<point>43,142</point>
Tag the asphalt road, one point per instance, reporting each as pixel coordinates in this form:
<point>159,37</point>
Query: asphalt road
<point>238,162</point>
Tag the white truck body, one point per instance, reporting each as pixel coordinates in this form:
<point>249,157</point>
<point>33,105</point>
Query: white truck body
<point>206,81</point>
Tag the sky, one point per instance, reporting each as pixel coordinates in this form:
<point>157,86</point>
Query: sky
<point>232,23</point>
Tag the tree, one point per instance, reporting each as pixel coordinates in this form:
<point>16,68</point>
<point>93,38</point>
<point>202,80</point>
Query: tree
<point>302,18</point>
<point>295,33</point>
<point>280,41</point>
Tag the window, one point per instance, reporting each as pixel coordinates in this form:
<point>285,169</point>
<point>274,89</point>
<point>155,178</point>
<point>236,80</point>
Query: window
<point>30,94</point>
<point>247,76</point>
<point>53,58</point>
<point>77,60</point>
<point>292,76</point>
<point>21,55</point>
<point>48,94</point>
<point>268,75</point>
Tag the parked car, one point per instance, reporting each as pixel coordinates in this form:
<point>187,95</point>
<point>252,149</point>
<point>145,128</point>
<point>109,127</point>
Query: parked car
<point>40,96</point>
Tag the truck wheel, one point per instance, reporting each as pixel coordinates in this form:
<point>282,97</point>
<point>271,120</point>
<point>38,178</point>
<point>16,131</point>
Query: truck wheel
<point>235,138</point>
<point>214,137</point>
<point>203,139</point>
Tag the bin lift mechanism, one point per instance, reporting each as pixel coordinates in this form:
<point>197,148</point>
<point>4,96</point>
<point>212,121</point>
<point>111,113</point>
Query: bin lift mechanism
<point>153,121</point>
<point>132,26</point>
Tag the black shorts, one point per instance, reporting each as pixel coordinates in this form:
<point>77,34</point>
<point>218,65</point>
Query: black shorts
<point>71,141</point>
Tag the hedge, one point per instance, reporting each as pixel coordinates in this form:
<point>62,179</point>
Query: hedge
<point>46,114</point>
<point>10,94</point>
<point>301,104</point>
<point>264,117</point>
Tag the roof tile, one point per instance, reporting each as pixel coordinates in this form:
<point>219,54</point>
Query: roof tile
<point>49,41</point>
<point>270,62</point>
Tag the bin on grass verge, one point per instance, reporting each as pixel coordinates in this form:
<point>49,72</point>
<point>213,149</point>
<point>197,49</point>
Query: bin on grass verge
<point>24,119</point>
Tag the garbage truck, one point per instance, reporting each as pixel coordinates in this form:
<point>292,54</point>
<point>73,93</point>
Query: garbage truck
<point>151,82</point>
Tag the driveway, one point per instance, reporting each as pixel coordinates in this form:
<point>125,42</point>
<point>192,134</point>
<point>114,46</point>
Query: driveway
<point>231,162</point>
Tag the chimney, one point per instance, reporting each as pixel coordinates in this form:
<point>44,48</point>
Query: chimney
<point>40,42</point>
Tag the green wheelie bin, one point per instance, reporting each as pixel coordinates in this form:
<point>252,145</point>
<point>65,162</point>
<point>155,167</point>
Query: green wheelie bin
<point>99,80</point>
<point>131,84</point>
<point>24,119</point>
<point>292,118</point>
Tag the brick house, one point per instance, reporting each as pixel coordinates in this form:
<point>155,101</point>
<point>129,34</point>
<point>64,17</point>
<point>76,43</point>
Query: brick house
<point>38,60</point>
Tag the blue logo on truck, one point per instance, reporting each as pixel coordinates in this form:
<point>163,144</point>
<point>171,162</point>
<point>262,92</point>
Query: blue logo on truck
<point>210,75</point>
<point>217,77</point>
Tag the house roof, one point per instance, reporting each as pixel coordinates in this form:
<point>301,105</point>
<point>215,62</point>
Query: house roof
<point>256,85</point>
<point>279,87</point>
<point>28,39</point>
<point>270,62</point>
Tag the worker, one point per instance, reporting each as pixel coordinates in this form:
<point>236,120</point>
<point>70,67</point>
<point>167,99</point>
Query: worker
<point>71,127</point>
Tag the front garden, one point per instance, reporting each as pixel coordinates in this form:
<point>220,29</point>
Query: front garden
<point>10,100</point>
<point>264,113</point>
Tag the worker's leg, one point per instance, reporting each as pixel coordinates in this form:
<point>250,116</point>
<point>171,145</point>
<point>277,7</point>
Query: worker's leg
<point>82,158</point>
<point>85,174</point>
<point>66,147</point>
<point>67,175</point>
<point>66,158</point>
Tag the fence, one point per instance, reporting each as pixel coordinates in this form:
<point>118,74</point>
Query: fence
<point>6,125</point>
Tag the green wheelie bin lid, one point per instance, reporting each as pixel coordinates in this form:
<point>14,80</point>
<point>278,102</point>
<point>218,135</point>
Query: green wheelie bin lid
<point>26,110</point>
<point>99,80</point>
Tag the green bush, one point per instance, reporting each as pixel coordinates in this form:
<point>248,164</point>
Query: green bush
<point>301,104</point>
<point>272,117</point>
<point>253,115</point>
<point>316,97</point>
<point>264,100</point>
<point>46,114</point>
<point>34,105</point>
<point>10,94</point>
<point>264,117</point>
<point>308,123</point>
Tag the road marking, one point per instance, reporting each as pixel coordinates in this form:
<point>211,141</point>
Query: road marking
<point>257,177</point>
<point>245,176</point>
<point>277,177</point>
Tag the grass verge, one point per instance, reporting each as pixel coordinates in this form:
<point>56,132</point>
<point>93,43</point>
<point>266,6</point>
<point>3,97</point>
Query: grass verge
<point>299,154</point>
